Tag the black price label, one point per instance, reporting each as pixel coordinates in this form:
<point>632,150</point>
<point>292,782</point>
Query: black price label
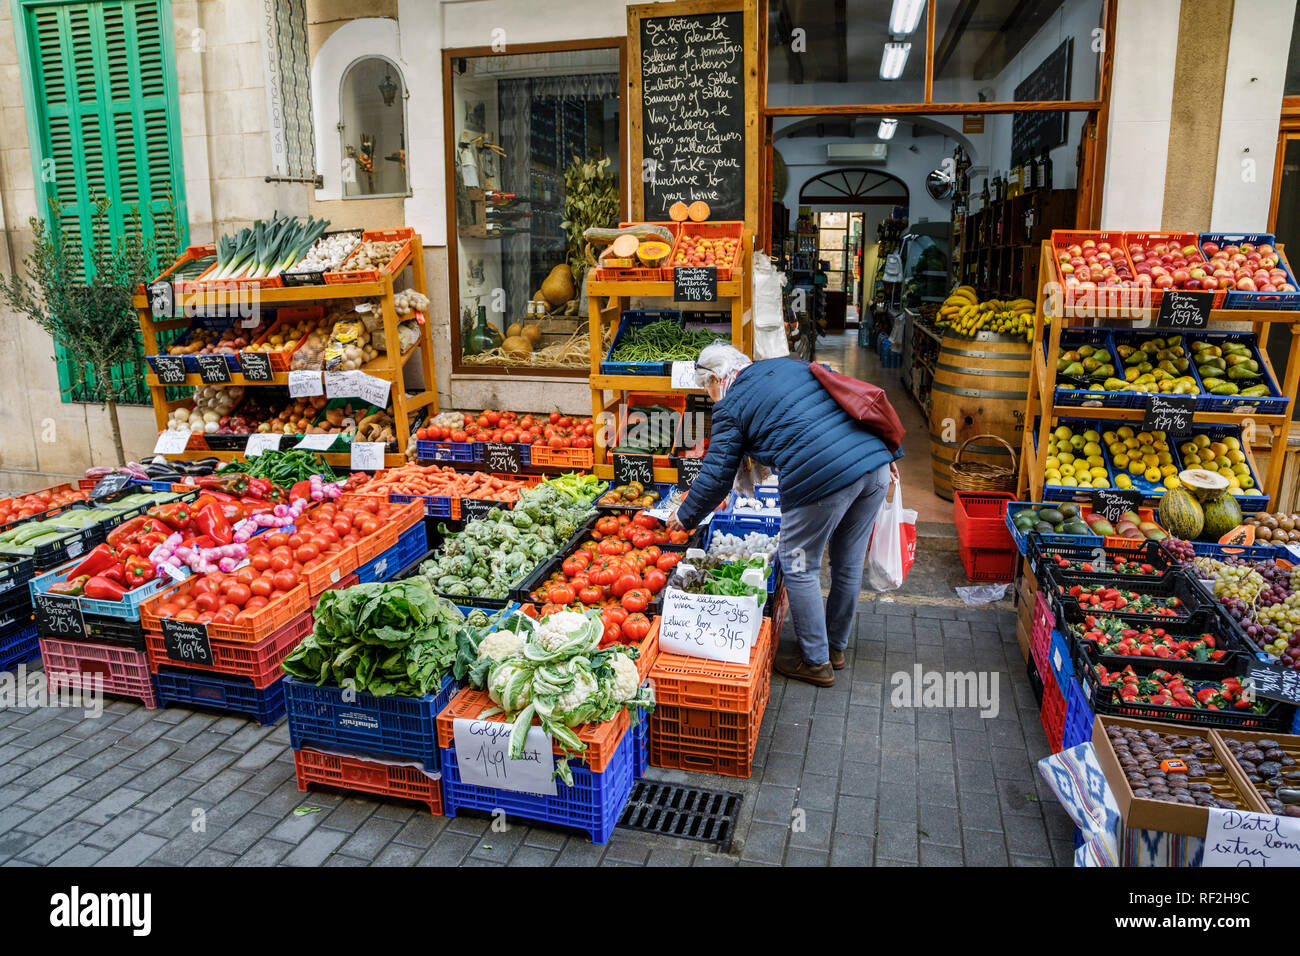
<point>687,469</point>
<point>110,484</point>
<point>628,468</point>
<point>213,369</point>
<point>1171,414</point>
<point>59,616</point>
<point>171,369</point>
<point>1184,310</point>
<point>498,456</point>
<point>1111,503</point>
<point>695,284</point>
<point>472,508</point>
<point>1273,682</point>
<point>187,642</point>
<point>162,300</point>
<point>256,366</point>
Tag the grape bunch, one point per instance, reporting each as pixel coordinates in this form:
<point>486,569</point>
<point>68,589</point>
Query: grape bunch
<point>1178,549</point>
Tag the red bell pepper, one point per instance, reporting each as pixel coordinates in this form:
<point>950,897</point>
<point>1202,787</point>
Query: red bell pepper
<point>115,573</point>
<point>212,522</point>
<point>175,515</point>
<point>72,586</point>
<point>137,572</point>
<point>300,489</point>
<point>96,560</point>
<point>259,488</point>
<point>102,589</point>
<point>125,530</point>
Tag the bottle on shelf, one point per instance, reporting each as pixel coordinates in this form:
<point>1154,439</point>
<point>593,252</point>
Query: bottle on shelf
<point>1031,174</point>
<point>984,194</point>
<point>1047,174</point>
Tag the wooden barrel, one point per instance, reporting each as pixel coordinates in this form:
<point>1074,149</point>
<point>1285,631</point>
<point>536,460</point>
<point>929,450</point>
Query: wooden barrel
<point>979,388</point>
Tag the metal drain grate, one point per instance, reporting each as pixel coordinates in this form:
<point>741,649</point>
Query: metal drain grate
<point>692,813</point>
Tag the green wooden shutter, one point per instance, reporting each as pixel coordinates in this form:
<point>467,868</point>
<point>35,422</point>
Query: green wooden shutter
<point>102,106</point>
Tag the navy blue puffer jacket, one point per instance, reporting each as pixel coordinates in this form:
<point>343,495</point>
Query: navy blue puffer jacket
<point>777,413</point>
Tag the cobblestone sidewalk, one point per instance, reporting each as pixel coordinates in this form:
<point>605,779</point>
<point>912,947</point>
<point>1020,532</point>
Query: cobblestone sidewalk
<point>875,784</point>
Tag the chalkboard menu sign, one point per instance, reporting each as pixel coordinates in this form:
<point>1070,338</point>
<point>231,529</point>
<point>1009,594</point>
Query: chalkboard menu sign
<point>691,72</point>
<point>1033,134</point>
<point>472,508</point>
<point>1111,503</point>
<point>213,369</point>
<point>187,642</point>
<point>171,369</point>
<point>502,457</point>
<point>256,366</point>
<point>1273,682</point>
<point>59,616</point>
<point>695,284</point>
<point>628,468</point>
<point>687,469</point>
<point>1184,310</point>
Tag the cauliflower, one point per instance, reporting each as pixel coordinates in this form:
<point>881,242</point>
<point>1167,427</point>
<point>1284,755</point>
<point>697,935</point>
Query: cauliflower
<point>501,644</point>
<point>584,685</point>
<point>558,629</point>
<point>626,679</point>
<point>510,686</point>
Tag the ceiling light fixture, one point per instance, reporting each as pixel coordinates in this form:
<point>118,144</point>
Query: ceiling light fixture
<point>893,59</point>
<point>886,128</point>
<point>905,17</point>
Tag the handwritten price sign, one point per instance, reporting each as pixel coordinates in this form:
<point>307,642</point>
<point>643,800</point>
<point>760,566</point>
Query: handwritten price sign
<point>713,626</point>
<point>1171,414</point>
<point>483,757</point>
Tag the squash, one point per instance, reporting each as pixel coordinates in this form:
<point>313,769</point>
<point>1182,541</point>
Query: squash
<point>603,236</point>
<point>1181,514</point>
<point>533,334</point>
<point>652,253</point>
<point>678,212</point>
<point>514,329</point>
<point>517,347</point>
<point>624,247</point>
<point>698,211</point>
<point>558,287</point>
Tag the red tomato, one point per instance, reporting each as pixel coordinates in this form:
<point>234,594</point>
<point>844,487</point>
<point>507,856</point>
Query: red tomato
<point>591,595</point>
<point>207,601</point>
<point>276,539</point>
<point>239,594</point>
<point>305,553</point>
<point>636,627</point>
<point>368,527</point>
<point>655,580</point>
<point>256,601</point>
<point>246,575</point>
<point>285,580</point>
<point>260,587</point>
<point>636,600</point>
<point>560,594</point>
<point>260,561</point>
<point>667,561</point>
<point>624,584</point>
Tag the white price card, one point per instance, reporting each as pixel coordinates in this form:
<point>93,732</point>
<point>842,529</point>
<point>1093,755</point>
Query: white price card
<point>717,627</point>
<point>316,442</point>
<point>483,757</point>
<point>683,376</point>
<point>341,384</point>
<point>171,442</point>
<point>1241,838</point>
<point>373,390</point>
<point>367,455</point>
<point>304,383</point>
<point>259,442</point>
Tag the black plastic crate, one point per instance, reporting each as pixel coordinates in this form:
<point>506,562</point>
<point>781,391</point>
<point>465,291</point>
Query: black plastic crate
<point>1233,662</point>
<point>1176,584</point>
<point>1042,553</point>
<point>102,629</point>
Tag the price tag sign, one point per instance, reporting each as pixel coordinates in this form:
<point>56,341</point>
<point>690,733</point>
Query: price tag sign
<point>341,384</point>
<point>472,508</point>
<point>713,626</point>
<point>59,616</point>
<point>213,369</point>
<point>1273,682</point>
<point>373,390</point>
<point>1184,310</point>
<point>259,442</point>
<point>683,376</point>
<point>483,757</point>
<point>367,455</point>
<point>187,642</point>
<point>256,366</point>
<point>110,484</point>
<point>171,442</point>
<point>695,284</point>
<point>1110,503</point>
<point>162,299</point>
<point>304,383</point>
<point>633,468</point>
<point>502,458</point>
<point>316,442</point>
<point>170,369</point>
<point>1171,414</point>
<point>1239,838</point>
<point>687,469</point>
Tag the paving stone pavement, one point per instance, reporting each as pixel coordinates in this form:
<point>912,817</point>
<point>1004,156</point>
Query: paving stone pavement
<point>841,777</point>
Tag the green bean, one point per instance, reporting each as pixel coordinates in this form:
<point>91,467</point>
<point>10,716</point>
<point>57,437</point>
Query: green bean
<point>663,341</point>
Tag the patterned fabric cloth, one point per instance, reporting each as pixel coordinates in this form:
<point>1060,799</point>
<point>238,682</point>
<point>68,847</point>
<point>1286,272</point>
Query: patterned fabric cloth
<point>1076,778</point>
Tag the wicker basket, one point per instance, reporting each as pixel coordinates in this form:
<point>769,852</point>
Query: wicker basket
<point>981,476</point>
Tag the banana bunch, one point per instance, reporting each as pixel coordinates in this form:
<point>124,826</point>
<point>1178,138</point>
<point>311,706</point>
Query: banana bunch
<point>965,314</point>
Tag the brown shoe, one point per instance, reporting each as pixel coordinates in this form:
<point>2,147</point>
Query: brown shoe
<point>796,668</point>
<point>837,659</point>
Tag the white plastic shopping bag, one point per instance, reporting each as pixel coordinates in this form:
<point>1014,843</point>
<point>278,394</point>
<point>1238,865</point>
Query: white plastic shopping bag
<point>893,544</point>
<point>768,318</point>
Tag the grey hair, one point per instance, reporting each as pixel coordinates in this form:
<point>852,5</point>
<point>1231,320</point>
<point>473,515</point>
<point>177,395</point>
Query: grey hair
<point>718,361</point>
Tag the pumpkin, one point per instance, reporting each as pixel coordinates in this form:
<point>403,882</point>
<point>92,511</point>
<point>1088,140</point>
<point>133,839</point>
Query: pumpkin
<point>517,347</point>
<point>652,253</point>
<point>1181,514</point>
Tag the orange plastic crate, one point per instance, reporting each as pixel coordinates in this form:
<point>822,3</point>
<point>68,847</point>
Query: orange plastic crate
<point>601,739</point>
<point>708,741</point>
<point>259,662</point>
<point>682,681</point>
<point>330,572</point>
<point>721,229</point>
<point>649,648</point>
<point>269,619</point>
<point>404,516</point>
<point>205,282</point>
<point>281,358</point>
<point>392,267</point>
<point>568,458</point>
<point>367,776</point>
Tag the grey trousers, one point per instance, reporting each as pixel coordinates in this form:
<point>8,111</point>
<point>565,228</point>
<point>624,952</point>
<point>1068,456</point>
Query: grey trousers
<point>842,520</point>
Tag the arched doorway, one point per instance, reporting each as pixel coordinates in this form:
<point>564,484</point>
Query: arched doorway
<point>854,187</point>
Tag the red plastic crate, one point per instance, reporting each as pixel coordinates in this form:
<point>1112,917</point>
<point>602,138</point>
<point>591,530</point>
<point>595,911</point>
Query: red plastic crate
<point>981,519</point>
<point>1053,712</point>
<point>988,564</point>
<point>708,741</point>
<point>1184,239</point>
<point>1040,632</point>
<point>259,662</point>
<point>602,740</point>
<point>123,671</point>
<point>367,776</point>
<point>206,282</point>
<point>682,681</point>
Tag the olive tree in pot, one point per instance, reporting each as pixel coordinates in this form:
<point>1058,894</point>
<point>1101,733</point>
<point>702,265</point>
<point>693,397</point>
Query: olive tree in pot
<point>79,290</point>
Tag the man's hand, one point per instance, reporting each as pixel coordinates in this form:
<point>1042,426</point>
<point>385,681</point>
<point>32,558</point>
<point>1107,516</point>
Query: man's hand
<point>673,524</point>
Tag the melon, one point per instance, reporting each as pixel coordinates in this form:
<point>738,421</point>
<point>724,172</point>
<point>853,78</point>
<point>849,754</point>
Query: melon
<point>1222,515</point>
<point>698,211</point>
<point>1181,514</point>
<point>652,253</point>
<point>678,212</point>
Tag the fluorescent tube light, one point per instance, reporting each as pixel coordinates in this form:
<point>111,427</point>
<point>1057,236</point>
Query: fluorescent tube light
<point>893,59</point>
<point>905,17</point>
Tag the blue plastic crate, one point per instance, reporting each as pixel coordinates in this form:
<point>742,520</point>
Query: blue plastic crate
<point>435,506</point>
<point>1078,715</point>
<point>631,319</point>
<point>1060,659</point>
<point>128,609</point>
<point>1022,539</point>
<point>1248,502</point>
<point>192,363</point>
<point>769,496</point>
<point>321,719</point>
<point>18,645</point>
<point>235,694</point>
<point>525,452</point>
<point>772,578</point>
<point>444,450</point>
<point>1070,394</point>
<point>662,488</point>
<point>640,745</point>
<point>1252,552</point>
<point>1053,492</point>
<point>1275,403</point>
<point>1278,301</point>
<point>594,803</point>
<point>412,543</point>
<point>742,523</point>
